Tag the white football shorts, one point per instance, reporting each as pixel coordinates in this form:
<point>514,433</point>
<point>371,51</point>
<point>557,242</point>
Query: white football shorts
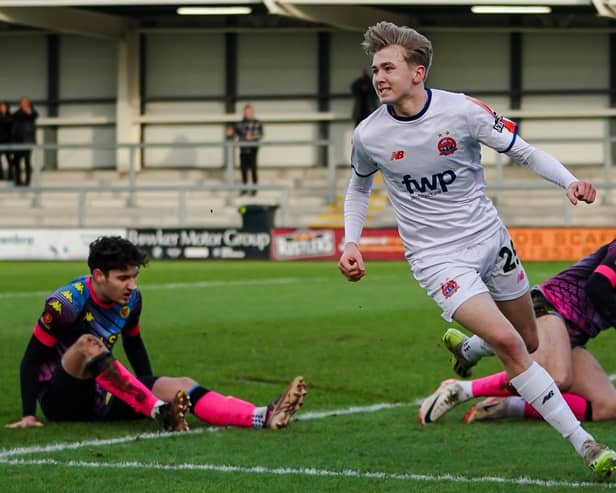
<point>454,276</point>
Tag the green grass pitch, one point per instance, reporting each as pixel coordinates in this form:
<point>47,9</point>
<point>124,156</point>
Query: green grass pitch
<point>246,329</point>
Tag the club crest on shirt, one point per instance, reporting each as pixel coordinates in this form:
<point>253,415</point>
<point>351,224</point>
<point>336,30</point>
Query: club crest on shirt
<point>449,288</point>
<point>397,155</point>
<point>125,311</point>
<point>446,145</point>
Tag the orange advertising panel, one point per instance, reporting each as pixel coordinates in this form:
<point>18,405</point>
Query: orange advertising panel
<point>559,243</point>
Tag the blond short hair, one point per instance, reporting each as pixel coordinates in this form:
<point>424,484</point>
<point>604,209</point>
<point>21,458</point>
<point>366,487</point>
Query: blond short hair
<point>418,48</point>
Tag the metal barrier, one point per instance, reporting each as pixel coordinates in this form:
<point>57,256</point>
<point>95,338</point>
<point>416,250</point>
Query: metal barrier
<point>132,187</point>
<point>607,143</point>
<point>567,209</point>
<point>83,191</point>
<point>231,187</point>
<point>36,189</point>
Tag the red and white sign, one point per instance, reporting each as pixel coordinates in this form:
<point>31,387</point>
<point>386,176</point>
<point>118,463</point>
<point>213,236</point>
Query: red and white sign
<point>327,244</point>
<point>296,244</point>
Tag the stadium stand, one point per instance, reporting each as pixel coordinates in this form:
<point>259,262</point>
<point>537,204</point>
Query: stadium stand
<point>103,78</point>
<point>171,198</point>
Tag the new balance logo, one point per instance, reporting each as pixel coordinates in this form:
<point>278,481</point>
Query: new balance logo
<point>397,155</point>
<point>547,397</point>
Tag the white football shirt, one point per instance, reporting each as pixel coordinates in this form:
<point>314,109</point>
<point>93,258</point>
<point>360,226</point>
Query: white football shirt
<point>431,167</point>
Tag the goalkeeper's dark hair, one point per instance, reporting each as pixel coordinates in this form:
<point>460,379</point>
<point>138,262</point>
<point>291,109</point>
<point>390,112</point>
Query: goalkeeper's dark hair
<point>114,253</point>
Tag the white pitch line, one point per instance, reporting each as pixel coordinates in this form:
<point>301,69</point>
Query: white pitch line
<point>6,458</point>
<point>351,410</point>
<point>304,416</point>
<point>177,285</point>
<point>222,283</point>
<point>202,284</point>
<point>59,447</point>
<point>288,471</point>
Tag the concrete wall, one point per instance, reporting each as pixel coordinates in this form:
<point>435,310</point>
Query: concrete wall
<point>185,71</point>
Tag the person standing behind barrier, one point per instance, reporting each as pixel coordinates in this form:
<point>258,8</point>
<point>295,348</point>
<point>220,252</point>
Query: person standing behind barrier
<point>365,100</point>
<point>5,139</point>
<point>23,130</point>
<point>248,130</point>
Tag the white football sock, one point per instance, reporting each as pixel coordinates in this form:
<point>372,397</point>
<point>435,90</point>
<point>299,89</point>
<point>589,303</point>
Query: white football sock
<point>259,417</point>
<point>537,387</point>
<point>156,408</point>
<point>514,406</point>
<point>467,390</point>
<point>474,348</point>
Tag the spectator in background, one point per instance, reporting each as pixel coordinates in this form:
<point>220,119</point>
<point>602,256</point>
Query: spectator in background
<point>364,97</point>
<point>23,130</point>
<point>248,130</point>
<point>5,139</point>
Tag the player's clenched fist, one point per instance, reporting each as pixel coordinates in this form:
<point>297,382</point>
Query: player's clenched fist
<point>581,190</point>
<point>351,263</point>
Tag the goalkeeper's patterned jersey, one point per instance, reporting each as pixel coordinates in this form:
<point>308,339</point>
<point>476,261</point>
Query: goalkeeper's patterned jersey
<point>431,166</point>
<point>74,310</point>
<point>566,292</point>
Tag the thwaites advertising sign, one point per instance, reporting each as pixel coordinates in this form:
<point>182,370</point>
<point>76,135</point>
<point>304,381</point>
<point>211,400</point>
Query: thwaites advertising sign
<point>327,244</point>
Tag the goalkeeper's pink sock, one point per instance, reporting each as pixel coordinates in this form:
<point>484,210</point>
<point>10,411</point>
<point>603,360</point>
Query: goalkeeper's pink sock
<point>495,385</point>
<point>121,383</point>
<point>221,410</point>
<point>578,405</point>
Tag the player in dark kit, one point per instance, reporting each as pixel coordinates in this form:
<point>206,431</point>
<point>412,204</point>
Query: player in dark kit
<point>572,307</point>
<point>69,369</point>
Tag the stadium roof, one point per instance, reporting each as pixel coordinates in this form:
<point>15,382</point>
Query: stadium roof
<point>112,17</point>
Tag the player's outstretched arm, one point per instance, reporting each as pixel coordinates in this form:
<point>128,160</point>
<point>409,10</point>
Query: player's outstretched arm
<point>351,263</point>
<point>547,166</point>
<point>26,422</point>
<point>581,190</point>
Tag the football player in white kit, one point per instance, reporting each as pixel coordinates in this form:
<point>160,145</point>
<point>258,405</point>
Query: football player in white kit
<point>426,144</point>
